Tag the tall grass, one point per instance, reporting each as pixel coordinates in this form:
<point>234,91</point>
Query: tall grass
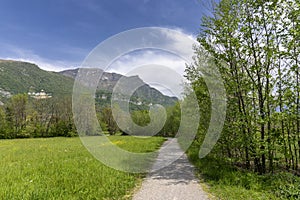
<point>228,182</point>
<point>61,168</point>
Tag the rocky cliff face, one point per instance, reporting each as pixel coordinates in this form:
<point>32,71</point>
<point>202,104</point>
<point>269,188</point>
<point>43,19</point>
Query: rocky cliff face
<point>144,94</point>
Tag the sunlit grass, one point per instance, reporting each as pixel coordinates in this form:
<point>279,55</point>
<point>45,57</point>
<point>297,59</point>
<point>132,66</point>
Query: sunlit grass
<point>61,168</point>
<point>229,183</point>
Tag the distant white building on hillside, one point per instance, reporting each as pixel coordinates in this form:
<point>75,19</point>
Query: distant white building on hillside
<point>39,95</point>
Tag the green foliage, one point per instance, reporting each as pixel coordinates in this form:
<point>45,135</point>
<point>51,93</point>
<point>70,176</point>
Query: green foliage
<point>61,168</point>
<point>172,123</point>
<point>3,124</point>
<point>107,121</point>
<point>26,117</point>
<point>141,117</point>
<point>16,114</point>
<point>227,181</point>
<point>255,50</point>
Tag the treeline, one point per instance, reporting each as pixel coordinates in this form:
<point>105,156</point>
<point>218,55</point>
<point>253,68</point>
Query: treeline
<point>141,118</point>
<point>255,45</point>
<point>25,117</point>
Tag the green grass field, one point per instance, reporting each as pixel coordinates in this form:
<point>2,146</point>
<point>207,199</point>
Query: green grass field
<point>61,168</point>
<point>227,182</point>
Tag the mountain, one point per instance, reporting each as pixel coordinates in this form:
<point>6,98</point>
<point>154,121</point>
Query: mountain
<point>143,95</point>
<point>22,77</point>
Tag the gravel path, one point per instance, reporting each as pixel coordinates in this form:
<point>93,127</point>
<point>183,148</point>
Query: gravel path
<point>174,182</point>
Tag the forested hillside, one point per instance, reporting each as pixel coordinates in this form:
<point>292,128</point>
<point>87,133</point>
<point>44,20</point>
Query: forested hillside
<point>21,77</point>
<point>38,103</point>
<point>142,97</point>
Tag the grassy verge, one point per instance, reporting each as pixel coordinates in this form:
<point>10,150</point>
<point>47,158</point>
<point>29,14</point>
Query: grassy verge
<point>61,168</point>
<point>227,182</point>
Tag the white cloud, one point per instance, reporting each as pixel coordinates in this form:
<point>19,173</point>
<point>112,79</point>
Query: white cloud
<point>19,54</point>
<point>128,62</point>
<point>161,70</point>
<point>130,50</point>
<point>181,42</point>
<point>43,64</point>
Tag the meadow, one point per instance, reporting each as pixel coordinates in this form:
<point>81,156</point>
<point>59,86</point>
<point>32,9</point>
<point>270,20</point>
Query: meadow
<point>61,168</point>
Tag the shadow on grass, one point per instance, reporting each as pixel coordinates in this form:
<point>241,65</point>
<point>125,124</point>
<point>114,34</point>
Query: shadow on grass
<point>229,182</point>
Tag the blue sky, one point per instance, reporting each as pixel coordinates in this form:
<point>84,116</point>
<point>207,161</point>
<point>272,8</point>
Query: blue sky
<point>58,34</point>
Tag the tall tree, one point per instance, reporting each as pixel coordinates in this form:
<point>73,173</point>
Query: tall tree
<point>254,45</point>
<point>16,113</point>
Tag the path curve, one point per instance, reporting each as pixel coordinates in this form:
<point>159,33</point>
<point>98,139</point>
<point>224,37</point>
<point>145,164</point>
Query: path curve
<point>177,181</point>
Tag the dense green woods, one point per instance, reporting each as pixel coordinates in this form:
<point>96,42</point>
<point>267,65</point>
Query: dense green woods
<point>255,45</point>
<point>23,116</point>
<point>140,117</point>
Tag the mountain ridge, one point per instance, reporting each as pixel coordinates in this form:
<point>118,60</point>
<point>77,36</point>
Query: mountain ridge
<point>21,77</point>
<point>24,77</point>
<point>108,81</point>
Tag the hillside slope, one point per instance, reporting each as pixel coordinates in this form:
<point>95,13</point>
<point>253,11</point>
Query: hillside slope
<point>22,77</point>
<point>143,95</point>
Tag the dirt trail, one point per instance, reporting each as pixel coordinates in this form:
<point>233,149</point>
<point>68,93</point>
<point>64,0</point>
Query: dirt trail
<point>177,181</point>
